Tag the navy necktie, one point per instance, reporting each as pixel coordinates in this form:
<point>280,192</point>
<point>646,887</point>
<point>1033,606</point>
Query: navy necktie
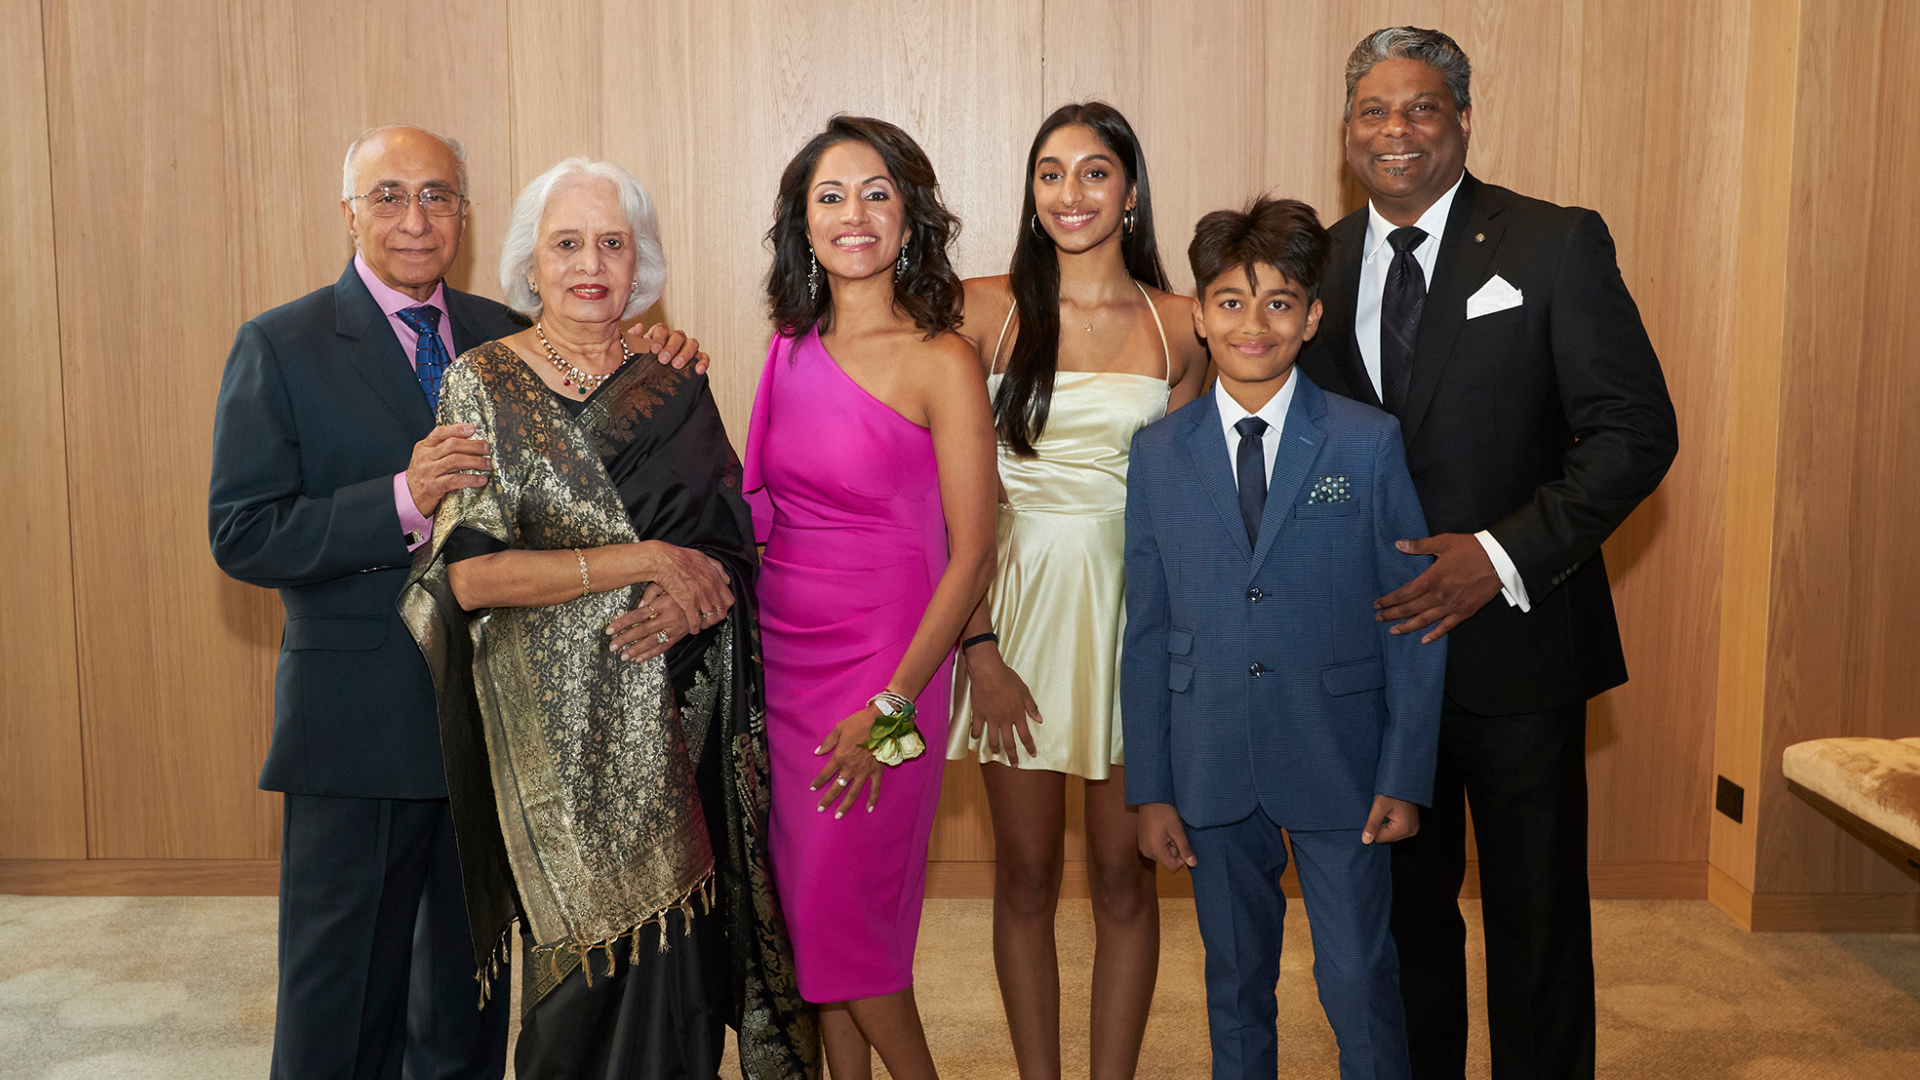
<point>1250,464</point>
<point>1400,307</point>
<point>430,354</point>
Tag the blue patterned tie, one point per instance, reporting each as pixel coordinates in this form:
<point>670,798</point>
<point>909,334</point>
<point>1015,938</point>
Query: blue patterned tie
<point>1250,465</point>
<point>430,355</point>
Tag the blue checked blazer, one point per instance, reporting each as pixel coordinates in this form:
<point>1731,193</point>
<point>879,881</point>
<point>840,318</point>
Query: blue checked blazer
<point>1259,676</point>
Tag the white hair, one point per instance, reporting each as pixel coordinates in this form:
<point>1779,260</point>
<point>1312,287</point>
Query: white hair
<point>348,180</point>
<point>517,251</point>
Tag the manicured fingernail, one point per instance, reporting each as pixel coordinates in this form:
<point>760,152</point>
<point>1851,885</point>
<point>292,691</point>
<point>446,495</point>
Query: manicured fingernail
<point>869,809</point>
<point>838,814</point>
<point>821,809</point>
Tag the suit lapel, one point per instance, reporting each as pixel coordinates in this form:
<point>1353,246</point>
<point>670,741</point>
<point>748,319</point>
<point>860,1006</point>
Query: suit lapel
<point>461,313</point>
<point>1349,246</point>
<point>1300,440</point>
<point>1466,250</point>
<point>378,357</point>
<point>1207,448</point>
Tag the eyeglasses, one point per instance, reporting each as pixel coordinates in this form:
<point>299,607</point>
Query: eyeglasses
<point>392,201</point>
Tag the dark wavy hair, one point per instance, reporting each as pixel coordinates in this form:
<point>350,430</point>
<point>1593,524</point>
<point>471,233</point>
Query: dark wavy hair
<point>1025,396</point>
<point>929,292</point>
<point>1282,233</point>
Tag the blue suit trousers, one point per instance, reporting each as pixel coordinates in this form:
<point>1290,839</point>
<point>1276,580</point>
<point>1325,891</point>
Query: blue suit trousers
<point>1348,890</point>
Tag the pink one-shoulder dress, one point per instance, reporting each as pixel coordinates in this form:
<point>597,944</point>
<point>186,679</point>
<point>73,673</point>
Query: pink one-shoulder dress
<point>846,498</point>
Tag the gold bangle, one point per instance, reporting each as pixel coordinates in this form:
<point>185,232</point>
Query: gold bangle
<point>586,586</point>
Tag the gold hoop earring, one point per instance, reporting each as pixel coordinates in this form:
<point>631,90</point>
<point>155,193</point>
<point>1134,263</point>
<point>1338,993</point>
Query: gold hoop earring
<point>1037,230</point>
<point>1127,221</point>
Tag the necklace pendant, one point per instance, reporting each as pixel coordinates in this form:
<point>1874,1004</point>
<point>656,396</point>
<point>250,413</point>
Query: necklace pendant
<point>1088,328</point>
<point>583,391</point>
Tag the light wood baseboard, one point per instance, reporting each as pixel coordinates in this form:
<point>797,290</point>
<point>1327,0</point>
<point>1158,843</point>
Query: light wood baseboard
<point>1820,913</point>
<point>1608,881</point>
<point>945,880</point>
<point>140,877</point>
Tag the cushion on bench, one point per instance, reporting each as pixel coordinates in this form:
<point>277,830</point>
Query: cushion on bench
<point>1875,780</point>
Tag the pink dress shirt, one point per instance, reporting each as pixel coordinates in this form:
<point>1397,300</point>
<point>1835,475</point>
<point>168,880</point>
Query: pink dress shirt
<point>392,301</point>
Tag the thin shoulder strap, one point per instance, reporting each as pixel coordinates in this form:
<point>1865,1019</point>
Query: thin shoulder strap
<point>1165,353</point>
<point>1002,339</point>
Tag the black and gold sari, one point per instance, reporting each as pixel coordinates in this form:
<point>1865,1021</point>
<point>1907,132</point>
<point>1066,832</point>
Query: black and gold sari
<point>618,808</point>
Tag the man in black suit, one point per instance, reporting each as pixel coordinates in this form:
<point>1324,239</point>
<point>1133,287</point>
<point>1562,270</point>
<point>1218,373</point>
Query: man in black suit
<point>1498,330</point>
<point>327,467</point>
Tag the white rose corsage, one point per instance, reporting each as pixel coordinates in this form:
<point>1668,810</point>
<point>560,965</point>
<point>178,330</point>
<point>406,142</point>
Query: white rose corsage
<point>894,737</point>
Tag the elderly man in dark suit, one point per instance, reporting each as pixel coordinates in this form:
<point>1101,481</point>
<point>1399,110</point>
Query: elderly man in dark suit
<point>1498,330</point>
<point>327,465</point>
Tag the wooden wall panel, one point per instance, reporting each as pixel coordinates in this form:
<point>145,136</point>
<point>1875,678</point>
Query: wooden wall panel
<point>1668,187</point>
<point>42,811</point>
<point>196,153</point>
<point>1841,652</point>
<point>1753,369</point>
<point>195,149</point>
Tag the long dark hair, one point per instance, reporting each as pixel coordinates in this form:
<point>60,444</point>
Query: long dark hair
<point>1025,396</point>
<point>929,292</point>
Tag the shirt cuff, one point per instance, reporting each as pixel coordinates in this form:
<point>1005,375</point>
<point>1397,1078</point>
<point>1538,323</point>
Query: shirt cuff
<point>1511,586</point>
<point>416,528</point>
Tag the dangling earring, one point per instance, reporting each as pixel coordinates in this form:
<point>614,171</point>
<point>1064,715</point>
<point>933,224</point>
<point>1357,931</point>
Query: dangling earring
<point>813,276</point>
<point>900,264</point>
<point>1035,226</point>
<point>1127,221</point>
<point>533,287</point>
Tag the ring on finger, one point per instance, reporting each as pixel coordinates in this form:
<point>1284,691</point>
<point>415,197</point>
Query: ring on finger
<point>661,637</point>
<point>842,781</point>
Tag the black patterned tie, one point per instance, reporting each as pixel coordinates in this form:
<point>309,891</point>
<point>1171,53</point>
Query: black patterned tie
<point>1250,464</point>
<point>429,352</point>
<point>1400,307</point>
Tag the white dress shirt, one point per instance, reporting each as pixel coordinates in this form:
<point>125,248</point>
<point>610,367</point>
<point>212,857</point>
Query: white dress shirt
<point>1274,412</point>
<point>1376,257</point>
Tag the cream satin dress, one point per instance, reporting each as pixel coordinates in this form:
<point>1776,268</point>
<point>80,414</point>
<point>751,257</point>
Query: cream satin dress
<point>1058,600</point>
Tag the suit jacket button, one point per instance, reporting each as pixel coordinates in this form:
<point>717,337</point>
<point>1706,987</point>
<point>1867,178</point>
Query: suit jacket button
<point>1256,671</point>
<point>1254,595</point>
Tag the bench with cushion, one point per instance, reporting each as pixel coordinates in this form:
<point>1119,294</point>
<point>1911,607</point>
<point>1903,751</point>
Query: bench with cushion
<point>1875,781</point>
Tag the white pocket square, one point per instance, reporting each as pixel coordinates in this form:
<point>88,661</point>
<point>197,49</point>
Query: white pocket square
<point>1495,295</point>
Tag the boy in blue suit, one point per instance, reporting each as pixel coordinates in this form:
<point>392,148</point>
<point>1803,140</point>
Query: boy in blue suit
<point>1258,692</point>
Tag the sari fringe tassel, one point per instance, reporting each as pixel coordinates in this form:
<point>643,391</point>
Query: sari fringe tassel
<point>581,951</point>
<point>489,970</point>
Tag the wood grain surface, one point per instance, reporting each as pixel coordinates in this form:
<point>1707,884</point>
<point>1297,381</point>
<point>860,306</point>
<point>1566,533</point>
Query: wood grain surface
<point>42,791</point>
<point>188,156</point>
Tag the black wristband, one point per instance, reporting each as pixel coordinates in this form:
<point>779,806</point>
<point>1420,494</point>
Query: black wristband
<point>978,638</point>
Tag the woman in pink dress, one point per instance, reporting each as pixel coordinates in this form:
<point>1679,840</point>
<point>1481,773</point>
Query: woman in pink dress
<point>870,468</point>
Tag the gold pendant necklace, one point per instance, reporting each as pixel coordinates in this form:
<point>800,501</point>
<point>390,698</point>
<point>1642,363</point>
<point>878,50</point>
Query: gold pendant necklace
<point>573,376</point>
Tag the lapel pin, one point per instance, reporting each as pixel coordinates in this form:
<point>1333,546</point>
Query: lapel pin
<point>1479,238</point>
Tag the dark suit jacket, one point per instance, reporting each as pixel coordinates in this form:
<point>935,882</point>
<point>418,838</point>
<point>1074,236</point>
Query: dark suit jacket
<point>1255,675</point>
<point>1545,424</point>
<point>318,409</point>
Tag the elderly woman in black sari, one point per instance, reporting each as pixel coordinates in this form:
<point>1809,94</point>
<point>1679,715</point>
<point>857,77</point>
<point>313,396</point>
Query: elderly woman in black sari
<point>586,615</point>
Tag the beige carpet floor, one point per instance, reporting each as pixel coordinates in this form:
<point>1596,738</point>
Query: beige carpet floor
<point>183,989</point>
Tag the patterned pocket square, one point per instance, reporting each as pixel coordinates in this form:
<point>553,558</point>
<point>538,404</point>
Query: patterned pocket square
<point>1330,489</point>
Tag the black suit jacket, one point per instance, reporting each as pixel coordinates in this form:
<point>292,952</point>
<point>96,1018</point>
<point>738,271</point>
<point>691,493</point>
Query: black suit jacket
<point>1546,424</point>
<point>318,409</point>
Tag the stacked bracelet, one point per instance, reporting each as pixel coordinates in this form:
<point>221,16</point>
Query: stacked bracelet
<point>586,586</point>
<point>891,703</point>
<point>978,638</point>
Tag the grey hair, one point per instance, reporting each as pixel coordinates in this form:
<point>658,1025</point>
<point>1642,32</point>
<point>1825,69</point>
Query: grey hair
<point>517,251</point>
<point>1430,47</point>
<point>347,179</point>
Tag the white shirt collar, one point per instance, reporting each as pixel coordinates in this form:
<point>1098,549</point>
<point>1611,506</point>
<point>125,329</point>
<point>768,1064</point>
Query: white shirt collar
<point>1433,222</point>
<point>1274,412</point>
